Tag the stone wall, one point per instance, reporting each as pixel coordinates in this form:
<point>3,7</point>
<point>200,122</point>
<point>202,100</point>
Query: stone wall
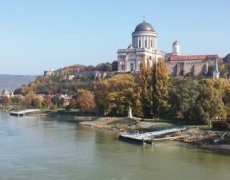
<point>193,67</point>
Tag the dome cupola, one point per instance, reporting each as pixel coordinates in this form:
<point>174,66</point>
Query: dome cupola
<point>144,36</point>
<point>144,26</point>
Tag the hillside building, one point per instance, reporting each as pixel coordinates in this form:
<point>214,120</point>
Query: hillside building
<point>49,72</point>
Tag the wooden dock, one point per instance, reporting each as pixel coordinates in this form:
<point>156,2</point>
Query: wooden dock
<point>23,112</point>
<point>147,137</point>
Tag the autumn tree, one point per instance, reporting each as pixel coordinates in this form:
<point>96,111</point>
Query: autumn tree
<point>223,88</point>
<point>159,87</point>
<point>37,101</point>
<point>27,100</point>
<point>100,90</point>
<point>72,104</point>
<point>47,102</point>
<point>137,109</point>
<point>114,95</point>
<point>5,100</point>
<point>86,101</point>
<point>144,80</point>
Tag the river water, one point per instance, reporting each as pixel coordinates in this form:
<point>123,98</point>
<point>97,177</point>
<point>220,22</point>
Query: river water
<point>57,148</point>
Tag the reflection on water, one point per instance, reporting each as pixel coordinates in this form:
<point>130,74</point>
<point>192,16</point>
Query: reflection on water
<point>58,148</point>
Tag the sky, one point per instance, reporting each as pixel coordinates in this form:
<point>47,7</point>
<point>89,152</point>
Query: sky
<point>36,35</point>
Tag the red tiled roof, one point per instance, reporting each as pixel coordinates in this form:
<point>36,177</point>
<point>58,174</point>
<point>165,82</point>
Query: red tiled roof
<point>191,57</point>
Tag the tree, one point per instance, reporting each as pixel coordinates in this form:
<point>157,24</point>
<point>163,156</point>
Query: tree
<point>27,100</point>
<point>100,90</point>
<point>104,67</point>
<point>47,102</point>
<point>223,68</point>
<point>114,95</point>
<point>137,109</point>
<point>86,101</point>
<point>16,99</point>
<point>72,104</point>
<point>5,101</point>
<point>223,87</point>
<point>159,87</point>
<point>144,80</point>
<point>183,93</point>
<point>115,66</point>
<point>37,101</point>
<point>209,104</point>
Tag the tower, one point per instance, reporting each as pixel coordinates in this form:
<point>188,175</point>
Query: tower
<point>176,48</point>
<point>216,73</point>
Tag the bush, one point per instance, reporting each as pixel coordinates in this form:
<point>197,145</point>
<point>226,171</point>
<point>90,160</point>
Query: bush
<point>220,125</point>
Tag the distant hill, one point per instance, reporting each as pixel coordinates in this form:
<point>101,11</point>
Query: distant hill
<point>11,82</point>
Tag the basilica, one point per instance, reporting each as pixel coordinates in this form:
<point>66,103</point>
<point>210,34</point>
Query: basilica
<point>144,47</point>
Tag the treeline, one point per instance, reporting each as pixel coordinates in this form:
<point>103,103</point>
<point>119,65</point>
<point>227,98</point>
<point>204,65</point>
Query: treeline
<point>150,93</point>
<point>52,85</point>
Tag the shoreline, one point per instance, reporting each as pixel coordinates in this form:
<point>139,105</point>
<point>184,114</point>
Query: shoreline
<point>203,138</point>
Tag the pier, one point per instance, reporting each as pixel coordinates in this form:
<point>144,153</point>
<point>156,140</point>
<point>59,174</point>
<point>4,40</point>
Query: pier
<point>148,137</point>
<point>23,112</point>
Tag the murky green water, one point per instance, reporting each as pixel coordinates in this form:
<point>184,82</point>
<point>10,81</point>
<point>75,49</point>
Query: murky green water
<point>51,148</point>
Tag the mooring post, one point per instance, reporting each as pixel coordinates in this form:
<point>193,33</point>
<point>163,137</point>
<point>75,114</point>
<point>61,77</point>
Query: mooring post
<point>152,142</point>
<point>143,142</point>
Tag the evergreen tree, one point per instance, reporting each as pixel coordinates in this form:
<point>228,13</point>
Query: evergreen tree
<point>159,87</point>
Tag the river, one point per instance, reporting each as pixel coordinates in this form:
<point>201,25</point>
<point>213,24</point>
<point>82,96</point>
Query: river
<point>58,148</point>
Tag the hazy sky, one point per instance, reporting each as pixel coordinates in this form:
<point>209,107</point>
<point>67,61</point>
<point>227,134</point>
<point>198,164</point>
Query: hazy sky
<point>38,34</point>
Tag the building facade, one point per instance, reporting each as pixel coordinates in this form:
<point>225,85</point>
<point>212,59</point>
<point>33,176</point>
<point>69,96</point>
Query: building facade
<point>144,48</point>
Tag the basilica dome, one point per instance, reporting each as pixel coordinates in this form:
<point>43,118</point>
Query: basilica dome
<point>144,26</point>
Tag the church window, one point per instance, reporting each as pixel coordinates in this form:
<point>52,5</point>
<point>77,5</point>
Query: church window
<point>131,67</point>
<point>146,43</point>
<point>139,43</point>
<point>151,43</point>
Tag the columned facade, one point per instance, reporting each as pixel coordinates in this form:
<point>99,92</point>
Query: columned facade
<point>143,48</point>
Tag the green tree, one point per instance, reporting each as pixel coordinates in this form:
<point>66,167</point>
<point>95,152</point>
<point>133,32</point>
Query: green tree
<point>183,93</point>
<point>16,99</point>
<point>209,104</point>
<point>144,80</point>
<point>159,87</point>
